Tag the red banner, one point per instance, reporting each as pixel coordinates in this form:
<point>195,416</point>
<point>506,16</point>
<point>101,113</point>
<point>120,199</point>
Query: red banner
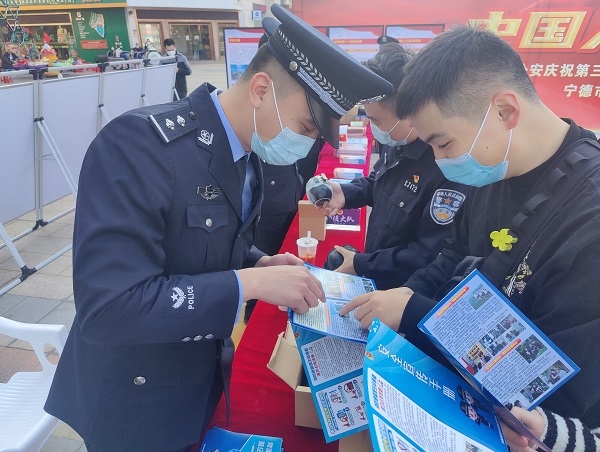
<point>558,40</point>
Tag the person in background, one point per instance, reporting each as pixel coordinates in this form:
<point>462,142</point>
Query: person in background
<point>169,197</point>
<point>413,205</point>
<point>183,68</point>
<point>8,60</point>
<point>469,96</point>
<point>284,187</point>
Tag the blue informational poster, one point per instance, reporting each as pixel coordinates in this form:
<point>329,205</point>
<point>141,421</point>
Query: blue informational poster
<point>221,440</point>
<point>415,404</point>
<point>333,367</point>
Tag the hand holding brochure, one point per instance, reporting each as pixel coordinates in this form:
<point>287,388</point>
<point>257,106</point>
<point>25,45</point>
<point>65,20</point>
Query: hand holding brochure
<point>339,289</point>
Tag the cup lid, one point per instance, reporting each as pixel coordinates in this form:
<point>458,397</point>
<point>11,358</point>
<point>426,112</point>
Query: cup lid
<point>307,241</point>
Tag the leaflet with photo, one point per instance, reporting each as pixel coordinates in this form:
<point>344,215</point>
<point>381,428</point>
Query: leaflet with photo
<point>495,346</point>
<point>339,289</point>
<point>416,404</point>
<point>333,367</point>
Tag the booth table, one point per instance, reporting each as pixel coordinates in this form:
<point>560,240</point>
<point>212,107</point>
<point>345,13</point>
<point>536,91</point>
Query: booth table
<point>261,402</point>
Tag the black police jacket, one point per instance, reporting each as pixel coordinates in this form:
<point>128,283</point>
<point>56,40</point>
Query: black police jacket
<point>158,232</point>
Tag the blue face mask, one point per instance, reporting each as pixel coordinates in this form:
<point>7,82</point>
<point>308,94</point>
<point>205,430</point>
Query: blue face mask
<point>385,138</point>
<point>286,148</point>
<point>467,170</point>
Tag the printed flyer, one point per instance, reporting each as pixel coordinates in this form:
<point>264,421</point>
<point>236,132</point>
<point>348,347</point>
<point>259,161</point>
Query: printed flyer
<point>416,404</point>
<point>339,289</point>
<point>334,371</point>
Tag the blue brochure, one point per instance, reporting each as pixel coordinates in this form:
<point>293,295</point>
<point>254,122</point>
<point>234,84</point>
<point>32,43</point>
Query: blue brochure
<point>414,403</point>
<point>221,440</point>
<point>333,367</point>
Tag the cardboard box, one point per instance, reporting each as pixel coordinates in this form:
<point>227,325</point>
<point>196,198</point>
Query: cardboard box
<point>359,442</point>
<point>310,219</point>
<point>285,362</point>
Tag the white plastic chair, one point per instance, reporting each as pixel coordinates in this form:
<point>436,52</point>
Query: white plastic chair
<point>24,425</point>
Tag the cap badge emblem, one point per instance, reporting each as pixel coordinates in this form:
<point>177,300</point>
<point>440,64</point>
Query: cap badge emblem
<point>170,124</point>
<point>206,137</point>
<point>209,192</point>
<point>180,121</point>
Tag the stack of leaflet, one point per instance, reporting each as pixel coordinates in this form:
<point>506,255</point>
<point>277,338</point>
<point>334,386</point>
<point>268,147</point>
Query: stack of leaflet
<point>352,150</point>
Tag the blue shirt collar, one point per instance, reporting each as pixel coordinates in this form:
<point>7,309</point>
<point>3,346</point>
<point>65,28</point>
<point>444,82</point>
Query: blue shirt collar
<point>237,150</point>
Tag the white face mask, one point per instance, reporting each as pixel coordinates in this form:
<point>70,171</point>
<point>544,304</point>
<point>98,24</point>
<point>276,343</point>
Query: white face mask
<point>171,52</point>
<point>465,169</point>
<point>286,148</point>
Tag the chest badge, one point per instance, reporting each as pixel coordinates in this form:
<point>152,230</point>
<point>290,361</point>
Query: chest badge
<point>416,178</point>
<point>209,192</point>
<point>206,137</point>
<point>170,124</point>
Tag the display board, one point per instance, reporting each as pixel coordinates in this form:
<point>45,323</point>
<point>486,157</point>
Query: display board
<point>70,110</point>
<point>159,84</point>
<point>122,91</point>
<point>414,36</point>
<point>72,120</point>
<point>241,45</point>
<point>359,42</point>
<point>17,183</point>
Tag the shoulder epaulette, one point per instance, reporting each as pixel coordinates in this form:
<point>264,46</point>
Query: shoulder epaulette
<point>174,123</point>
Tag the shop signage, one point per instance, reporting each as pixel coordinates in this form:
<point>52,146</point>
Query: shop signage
<point>94,44</point>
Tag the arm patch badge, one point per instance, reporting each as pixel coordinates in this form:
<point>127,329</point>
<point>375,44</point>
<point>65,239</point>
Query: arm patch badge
<point>444,205</point>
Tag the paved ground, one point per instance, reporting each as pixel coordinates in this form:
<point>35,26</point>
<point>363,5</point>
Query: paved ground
<point>47,295</point>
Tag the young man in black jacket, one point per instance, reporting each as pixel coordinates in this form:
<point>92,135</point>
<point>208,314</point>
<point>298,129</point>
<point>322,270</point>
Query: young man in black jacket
<point>468,95</point>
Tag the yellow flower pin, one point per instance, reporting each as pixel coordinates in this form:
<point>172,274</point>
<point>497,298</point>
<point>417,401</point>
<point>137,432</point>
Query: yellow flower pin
<point>502,240</point>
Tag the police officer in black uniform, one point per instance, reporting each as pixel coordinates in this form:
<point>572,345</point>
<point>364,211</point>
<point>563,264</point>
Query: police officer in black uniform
<point>162,251</point>
<point>413,205</point>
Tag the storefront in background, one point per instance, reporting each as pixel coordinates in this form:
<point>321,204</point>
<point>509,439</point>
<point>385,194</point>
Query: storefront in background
<point>80,28</point>
<point>198,34</point>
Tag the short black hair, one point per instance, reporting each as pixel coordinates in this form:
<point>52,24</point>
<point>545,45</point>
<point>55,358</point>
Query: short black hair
<point>168,42</point>
<point>265,61</point>
<point>459,70</point>
<point>389,64</point>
